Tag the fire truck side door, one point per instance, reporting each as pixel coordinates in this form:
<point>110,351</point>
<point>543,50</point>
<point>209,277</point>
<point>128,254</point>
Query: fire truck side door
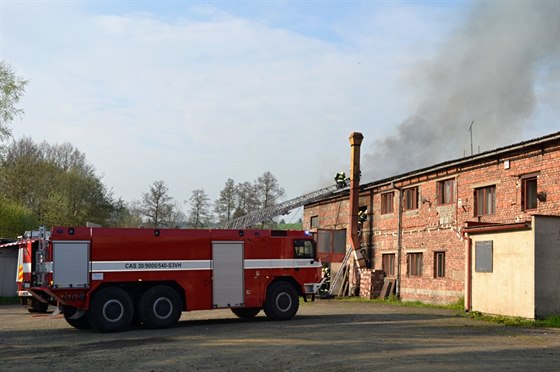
<point>71,264</point>
<point>228,272</point>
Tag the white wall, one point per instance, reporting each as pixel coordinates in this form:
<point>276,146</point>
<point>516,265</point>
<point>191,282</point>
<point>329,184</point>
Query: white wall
<point>510,288</point>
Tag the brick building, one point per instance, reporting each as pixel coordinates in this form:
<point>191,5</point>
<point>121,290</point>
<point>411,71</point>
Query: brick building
<point>414,230</point>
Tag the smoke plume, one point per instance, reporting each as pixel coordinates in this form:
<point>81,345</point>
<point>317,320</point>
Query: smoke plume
<point>485,72</point>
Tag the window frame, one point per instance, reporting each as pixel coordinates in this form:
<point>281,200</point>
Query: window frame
<point>406,198</point>
<point>442,194</point>
<point>483,193</point>
<point>314,222</point>
<point>414,264</point>
<point>439,264</point>
<point>388,263</point>
<point>386,207</point>
<point>298,253</point>
<point>524,182</point>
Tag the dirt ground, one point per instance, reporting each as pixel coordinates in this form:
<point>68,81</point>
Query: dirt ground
<point>324,336</point>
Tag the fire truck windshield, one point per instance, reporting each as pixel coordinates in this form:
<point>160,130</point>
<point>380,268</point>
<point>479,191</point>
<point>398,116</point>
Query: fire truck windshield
<point>304,249</point>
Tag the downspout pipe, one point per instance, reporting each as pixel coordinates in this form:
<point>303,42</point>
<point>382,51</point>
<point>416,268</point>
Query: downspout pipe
<point>399,241</point>
<point>468,299</point>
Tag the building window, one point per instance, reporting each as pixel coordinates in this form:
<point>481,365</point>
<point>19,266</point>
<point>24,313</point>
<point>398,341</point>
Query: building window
<point>529,193</point>
<point>445,191</point>
<point>411,199</point>
<point>389,264</point>
<point>314,222</point>
<point>414,264</point>
<point>387,202</point>
<point>485,200</point>
<point>439,264</point>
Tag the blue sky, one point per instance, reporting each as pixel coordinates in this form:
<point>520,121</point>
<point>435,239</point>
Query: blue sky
<point>197,92</point>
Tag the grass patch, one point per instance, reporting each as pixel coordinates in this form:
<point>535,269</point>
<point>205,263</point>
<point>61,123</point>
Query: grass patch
<point>9,300</point>
<point>550,322</point>
<point>393,300</point>
<point>501,319</point>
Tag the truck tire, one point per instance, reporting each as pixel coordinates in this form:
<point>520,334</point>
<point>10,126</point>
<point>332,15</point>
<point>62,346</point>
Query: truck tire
<point>246,312</point>
<point>159,307</point>
<point>111,310</point>
<point>38,306</point>
<point>80,321</point>
<point>281,302</point>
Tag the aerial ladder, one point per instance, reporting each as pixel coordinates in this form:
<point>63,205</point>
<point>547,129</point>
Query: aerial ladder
<point>354,261</point>
<point>266,214</point>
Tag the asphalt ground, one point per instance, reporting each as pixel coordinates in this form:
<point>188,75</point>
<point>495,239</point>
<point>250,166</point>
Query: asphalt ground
<point>327,335</point>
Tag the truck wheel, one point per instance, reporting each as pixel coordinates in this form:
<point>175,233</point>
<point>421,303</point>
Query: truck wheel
<point>159,307</point>
<point>246,312</point>
<point>111,310</point>
<point>38,306</point>
<point>282,301</point>
<point>76,318</point>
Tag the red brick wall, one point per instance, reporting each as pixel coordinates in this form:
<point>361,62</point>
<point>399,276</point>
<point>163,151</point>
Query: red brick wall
<point>437,228</point>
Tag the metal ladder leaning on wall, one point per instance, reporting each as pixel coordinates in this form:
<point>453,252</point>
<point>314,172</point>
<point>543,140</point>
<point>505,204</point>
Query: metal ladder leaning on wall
<point>339,277</point>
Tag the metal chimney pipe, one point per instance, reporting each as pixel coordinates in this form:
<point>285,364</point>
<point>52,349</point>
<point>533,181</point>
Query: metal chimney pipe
<point>355,143</point>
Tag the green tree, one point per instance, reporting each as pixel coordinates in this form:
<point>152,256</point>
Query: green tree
<point>55,183</point>
<point>25,176</point>
<point>247,199</point>
<point>15,219</point>
<point>158,206</point>
<point>268,190</point>
<point>125,214</point>
<point>12,88</point>
<point>225,205</point>
<point>199,214</point>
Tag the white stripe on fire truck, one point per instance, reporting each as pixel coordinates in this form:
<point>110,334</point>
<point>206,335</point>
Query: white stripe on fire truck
<point>26,267</point>
<point>282,263</point>
<point>177,265</point>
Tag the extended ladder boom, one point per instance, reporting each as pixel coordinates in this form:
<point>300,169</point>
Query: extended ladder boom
<point>265,214</point>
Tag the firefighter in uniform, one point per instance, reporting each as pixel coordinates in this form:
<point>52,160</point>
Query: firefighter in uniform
<point>340,179</point>
<point>362,217</point>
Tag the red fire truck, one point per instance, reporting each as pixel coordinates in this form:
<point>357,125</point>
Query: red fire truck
<point>110,278</point>
<point>28,245</point>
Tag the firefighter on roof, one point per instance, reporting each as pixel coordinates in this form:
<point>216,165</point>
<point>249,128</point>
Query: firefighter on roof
<point>340,179</point>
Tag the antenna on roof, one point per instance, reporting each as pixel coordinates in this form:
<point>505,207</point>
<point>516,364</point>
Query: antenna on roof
<point>470,130</point>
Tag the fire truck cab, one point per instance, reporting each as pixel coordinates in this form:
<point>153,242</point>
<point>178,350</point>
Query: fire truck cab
<point>110,278</point>
<point>28,247</point>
